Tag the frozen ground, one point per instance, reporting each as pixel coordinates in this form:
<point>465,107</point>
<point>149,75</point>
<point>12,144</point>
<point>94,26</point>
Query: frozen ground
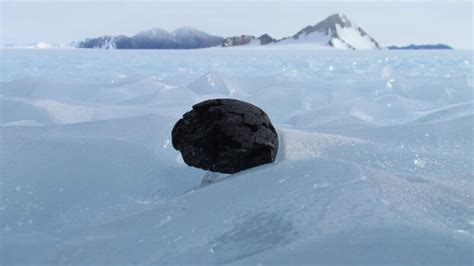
<point>375,163</point>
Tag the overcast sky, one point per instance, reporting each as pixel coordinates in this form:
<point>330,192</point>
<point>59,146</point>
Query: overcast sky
<point>399,22</point>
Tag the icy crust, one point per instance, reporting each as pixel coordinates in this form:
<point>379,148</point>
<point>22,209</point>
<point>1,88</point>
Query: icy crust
<point>300,210</point>
<point>374,164</point>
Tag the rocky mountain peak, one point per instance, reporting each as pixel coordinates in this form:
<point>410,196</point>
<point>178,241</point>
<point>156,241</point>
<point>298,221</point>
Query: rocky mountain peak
<point>327,26</point>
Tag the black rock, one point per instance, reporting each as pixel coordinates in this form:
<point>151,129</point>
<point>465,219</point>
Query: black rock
<point>225,135</point>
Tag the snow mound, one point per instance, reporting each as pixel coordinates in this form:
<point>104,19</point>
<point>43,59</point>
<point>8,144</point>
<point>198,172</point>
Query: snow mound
<point>42,45</point>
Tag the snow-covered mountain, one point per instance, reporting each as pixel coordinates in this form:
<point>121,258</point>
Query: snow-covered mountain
<point>335,31</point>
<point>182,38</point>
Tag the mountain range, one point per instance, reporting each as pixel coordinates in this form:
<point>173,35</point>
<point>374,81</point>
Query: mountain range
<point>182,38</point>
<point>422,47</point>
<point>336,31</point>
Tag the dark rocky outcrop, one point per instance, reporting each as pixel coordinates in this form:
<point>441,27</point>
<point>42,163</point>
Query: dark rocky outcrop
<point>225,135</point>
<point>246,39</point>
<point>237,40</point>
<point>266,39</point>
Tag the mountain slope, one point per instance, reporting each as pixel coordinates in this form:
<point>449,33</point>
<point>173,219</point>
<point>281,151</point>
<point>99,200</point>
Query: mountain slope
<point>335,31</point>
<point>189,38</point>
<point>153,39</point>
<point>107,42</point>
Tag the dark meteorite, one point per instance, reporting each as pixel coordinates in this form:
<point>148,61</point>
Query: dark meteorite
<point>225,135</point>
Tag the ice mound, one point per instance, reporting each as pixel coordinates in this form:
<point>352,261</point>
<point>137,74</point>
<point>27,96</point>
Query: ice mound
<point>375,164</point>
<point>117,167</point>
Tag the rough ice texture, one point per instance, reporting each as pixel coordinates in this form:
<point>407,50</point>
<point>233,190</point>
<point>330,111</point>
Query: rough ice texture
<point>225,135</point>
<point>374,164</point>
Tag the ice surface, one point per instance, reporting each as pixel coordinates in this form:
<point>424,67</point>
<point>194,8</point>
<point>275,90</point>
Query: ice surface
<point>375,164</point>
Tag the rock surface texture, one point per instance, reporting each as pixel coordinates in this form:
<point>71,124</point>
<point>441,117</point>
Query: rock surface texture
<point>225,135</point>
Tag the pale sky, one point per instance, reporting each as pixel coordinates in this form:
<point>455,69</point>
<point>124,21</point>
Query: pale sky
<point>398,22</point>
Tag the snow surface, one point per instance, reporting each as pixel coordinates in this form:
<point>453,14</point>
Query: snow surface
<point>315,38</point>
<point>43,45</point>
<point>375,164</point>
